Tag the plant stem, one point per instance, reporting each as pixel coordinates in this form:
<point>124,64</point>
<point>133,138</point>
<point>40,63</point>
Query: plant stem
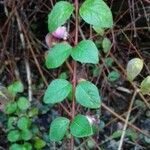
<point>74,68</point>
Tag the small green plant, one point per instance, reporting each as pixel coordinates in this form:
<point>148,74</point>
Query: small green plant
<point>85,93</point>
<point>20,123</point>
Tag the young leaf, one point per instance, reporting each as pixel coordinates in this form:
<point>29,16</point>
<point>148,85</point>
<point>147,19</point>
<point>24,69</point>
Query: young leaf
<point>87,95</point>
<point>23,103</point>
<point>16,146</point>
<point>27,146</point>
<point>106,44</point>
<point>113,76</point>
<point>97,13</point>
<point>13,136</point>
<point>58,128</point>
<point>10,107</point>
<point>16,87</point>
<point>39,143</point>
<point>85,52</point>
<point>26,134</point>
<point>59,14</point>
<point>145,85</point>
<point>23,123</point>
<point>57,91</point>
<point>134,68</point>
<point>81,127</point>
<point>57,55</point>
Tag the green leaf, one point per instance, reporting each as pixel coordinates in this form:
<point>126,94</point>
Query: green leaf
<point>16,87</point>
<point>16,146</point>
<point>106,44</point>
<point>58,128</point>
<point>23,123</point>
<point>97,13</point>
<point>59,14</point>
<point>33,112</point>
<point>13,136</point>
<point>113,76</point>
<point>145,85</point>
<point>23,103</point>
<point>80,126</point>
<point>99,30</point>
<point>27,146</point>
<point>87,95</point>
<point>134,68</point>
<point>10,107</point>
<point>11,122</point>
<point>108,61</point>
<point>85,52</point>
<point>63,75</point>
<point>39,143</point>
<point>26,134</point>
<point>116,134</point>
<point>57,55</point>
<point>57,91</point>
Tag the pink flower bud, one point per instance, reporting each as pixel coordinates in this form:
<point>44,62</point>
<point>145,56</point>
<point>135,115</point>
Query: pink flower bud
<point>60,33</point>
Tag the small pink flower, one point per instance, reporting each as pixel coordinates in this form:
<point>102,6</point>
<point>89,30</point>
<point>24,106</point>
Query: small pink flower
<point>60,33</point>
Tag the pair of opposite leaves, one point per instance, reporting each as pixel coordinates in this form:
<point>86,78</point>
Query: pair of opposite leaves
<point>93,12</point>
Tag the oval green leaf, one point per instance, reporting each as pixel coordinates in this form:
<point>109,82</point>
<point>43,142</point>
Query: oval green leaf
<point>57,55</point>
<point>145,85</point>
<point>10,107</point>
<point>85,52</point>
<point>87,95</point>
<point>113,76</point>
<point>59,14</point>
<point>13,136</point>
<point>106,44</point>
<point>15,87</point>
<point>39,143</point>
<point>97,13</point>
<point>26,134</point>
<point>81,127</point>
<point>57,91</point>
<point>23,123</point>
<point>134,68</point>
<point>16,146</point>
<point>23,103</point>
<point>58,128</point>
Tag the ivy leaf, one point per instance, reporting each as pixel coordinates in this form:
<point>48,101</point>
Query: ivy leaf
<point>106,44</point>
<point>80,126</point>
<point>57,55</point>
<point>59,14</point>
<point>85,52</point>
<point>145,85</point>
<point>58,128</point>
<point>134,68</point>
<point>87,95</point>
<point>97,13</point>
<point>57,91</point>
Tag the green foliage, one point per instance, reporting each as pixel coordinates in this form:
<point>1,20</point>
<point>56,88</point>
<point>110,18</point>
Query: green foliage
<point>11,122</point>
<point>10,107</point>
<point>26,134</point>
<point>106,44</point>
<point>134,68</point>
<point>23,103</point>
<point>57,91</point>
<point>59,14</point>
<point>57,55</point>
<point>58,128</point>
<point>13,135</point>
<point>85,52</point>
<point>113,76</point>
<point>87,95</point>
<point>97,13</point>
<point>15,87</point>
<point>16,147</point>
<point>81,127</point>
<point>23,123</point>
<point>108,61</point>
<point>39,143</point>
<point>145,85</point>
